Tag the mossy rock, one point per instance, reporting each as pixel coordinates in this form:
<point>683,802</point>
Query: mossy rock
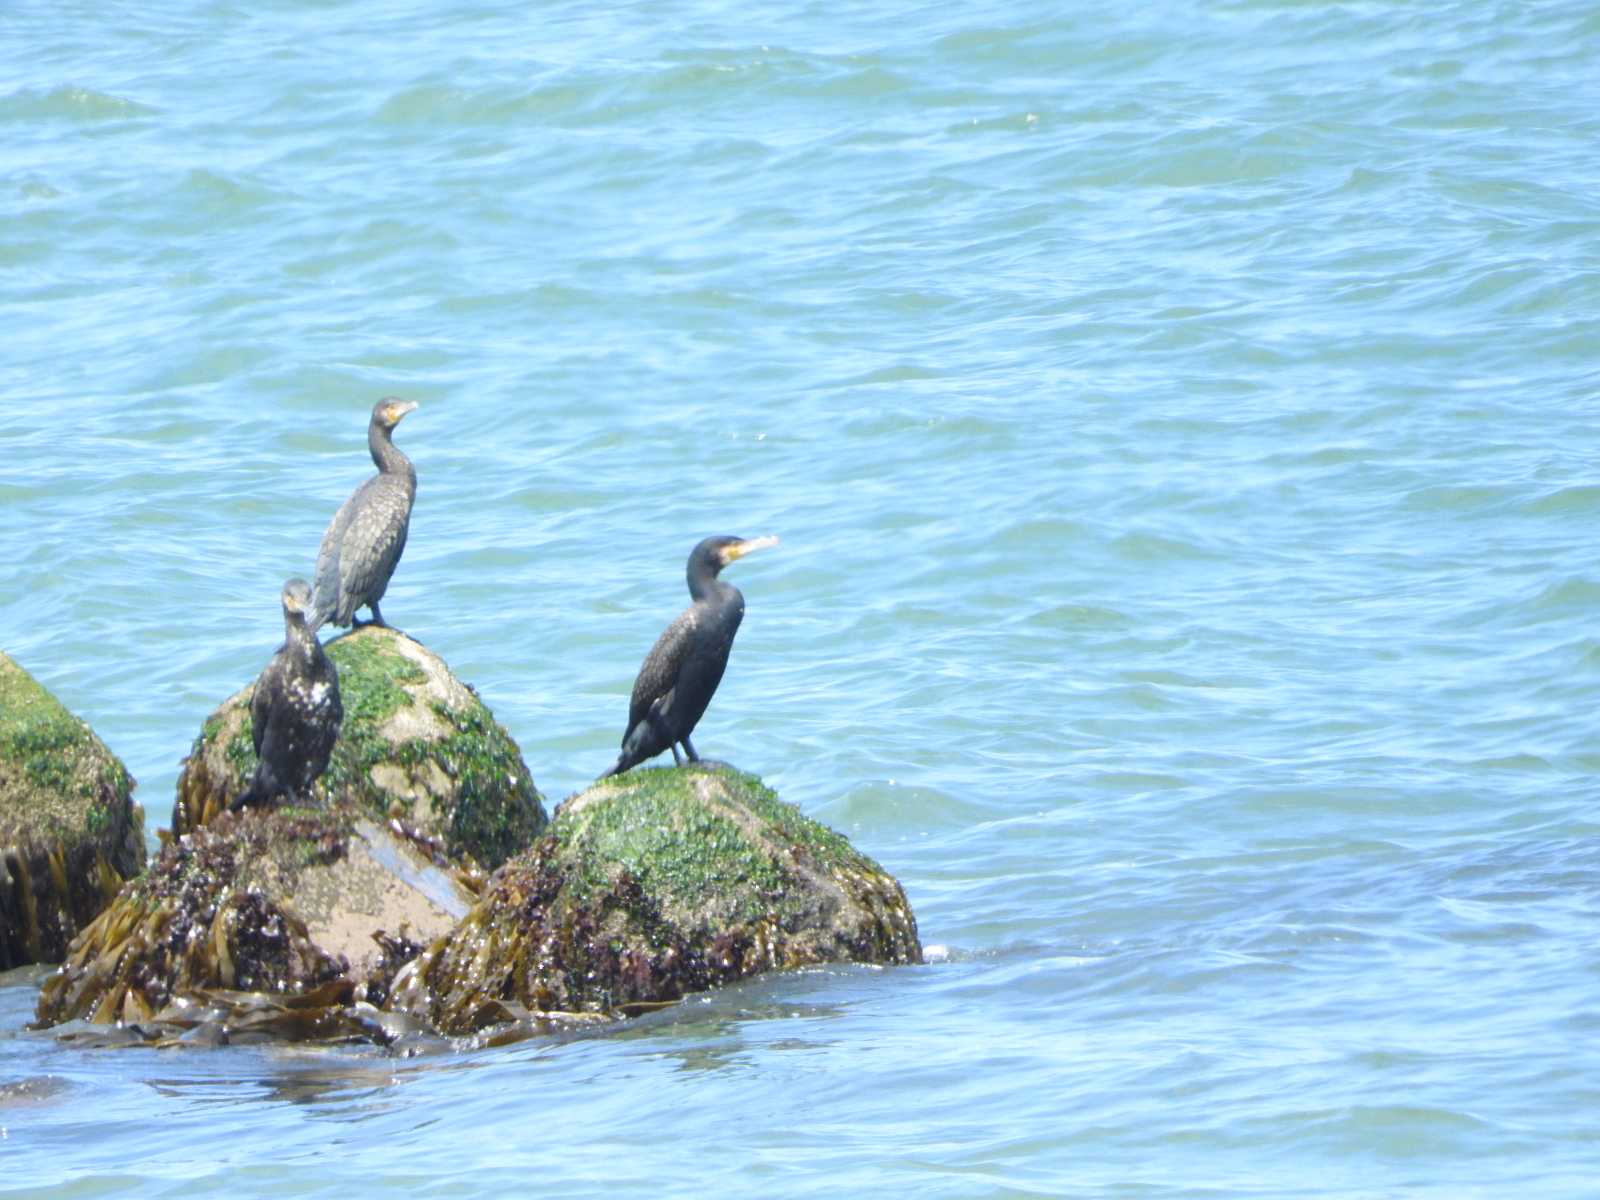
<point>417,745</point>
<point>291,902</point>
<point>652,885</point>
<point>70,832</point>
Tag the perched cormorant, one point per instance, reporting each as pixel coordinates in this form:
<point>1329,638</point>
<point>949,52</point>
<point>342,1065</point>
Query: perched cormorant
<point>295,712</point>
<point>366,536</point>
<point>682,670</point>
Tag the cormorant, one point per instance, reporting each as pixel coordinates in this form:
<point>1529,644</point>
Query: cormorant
<point>295,712</point>
<point>366,536</point>
<point>682,670</point>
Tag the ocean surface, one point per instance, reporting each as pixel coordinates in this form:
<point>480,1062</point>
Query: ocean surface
<point>1183,426</point>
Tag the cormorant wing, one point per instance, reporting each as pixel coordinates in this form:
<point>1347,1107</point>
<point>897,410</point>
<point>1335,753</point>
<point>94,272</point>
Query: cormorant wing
<point>373,544</point>
<point>269,686</point>
<point>325,587</point>
<point>659,674</point>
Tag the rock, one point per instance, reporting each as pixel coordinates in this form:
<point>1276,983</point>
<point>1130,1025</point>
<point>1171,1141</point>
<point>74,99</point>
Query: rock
<point>310,912</point>
<point>70,832</point>
<point>417,745</point>
<point>651,885</point>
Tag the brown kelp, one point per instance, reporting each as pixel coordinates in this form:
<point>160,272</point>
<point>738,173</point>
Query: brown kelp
<point>280,902</point>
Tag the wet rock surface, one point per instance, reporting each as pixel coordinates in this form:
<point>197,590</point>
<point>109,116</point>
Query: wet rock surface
<point>653,885</point>
<point>417,745</point>
<point>70,833</point>
<point>280,919</point>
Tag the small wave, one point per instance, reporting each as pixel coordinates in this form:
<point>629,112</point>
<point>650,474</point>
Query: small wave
<point>35,1092</point>
<point>226,193</point>
<point>1457,498</point>
<point>1022,122</point>
<point>890,805</point>
<point>1040,534</point>
<point>1569,594</point>
<point>1579,500</point>
<point>1154,548</point>
<point>1079,616</point>
<point>70,103</point>
<point>1404,1130</point>
<point>443,104</point>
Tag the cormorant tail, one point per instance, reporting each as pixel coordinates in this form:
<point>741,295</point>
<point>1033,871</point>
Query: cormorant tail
<point>262,790</point>
<point>634,747</point>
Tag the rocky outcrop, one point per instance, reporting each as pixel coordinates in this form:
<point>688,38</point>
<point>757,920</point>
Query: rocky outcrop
<point>316,909</point>
<point>652,885</point>
<point>70,833</point>
<point>416,746</point>
<point>329,922</point>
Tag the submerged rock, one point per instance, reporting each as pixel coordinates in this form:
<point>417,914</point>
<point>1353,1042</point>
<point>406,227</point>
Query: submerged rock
<point>417,745</point>
<point>70,833</point>
<point>652,885</point>
<point>311,911</point>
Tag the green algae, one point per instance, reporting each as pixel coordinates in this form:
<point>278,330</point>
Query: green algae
<point>497,811</point>
<point>651,825</point>
<point>51,763</point>
<point>653,885</point>
<point>402,752</point>
<point>372,678</point>
<point>69,830</point>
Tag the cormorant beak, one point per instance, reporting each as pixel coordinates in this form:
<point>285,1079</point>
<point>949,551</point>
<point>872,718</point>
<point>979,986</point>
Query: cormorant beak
<point>740,549</point>
<point>399,409</point>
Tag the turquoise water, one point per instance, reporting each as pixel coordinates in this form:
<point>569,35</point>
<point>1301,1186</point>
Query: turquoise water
<point>1181,425</point>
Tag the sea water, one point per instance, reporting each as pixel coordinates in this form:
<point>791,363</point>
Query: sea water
<point>1181,425</point>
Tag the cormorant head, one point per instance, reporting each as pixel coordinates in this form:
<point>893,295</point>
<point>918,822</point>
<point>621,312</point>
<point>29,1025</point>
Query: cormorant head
<point>388,411</point>
<point>711,555</point>
<point>296,599</point>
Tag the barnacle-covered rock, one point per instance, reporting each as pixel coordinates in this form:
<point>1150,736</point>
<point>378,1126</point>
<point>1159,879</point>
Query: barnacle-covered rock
<point>70,832</point>
<point>651,885</point>
<point>285,903</point>
<point>416,745</point>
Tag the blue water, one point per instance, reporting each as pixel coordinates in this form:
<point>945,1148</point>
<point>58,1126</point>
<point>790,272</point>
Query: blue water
<point>1181,424</point>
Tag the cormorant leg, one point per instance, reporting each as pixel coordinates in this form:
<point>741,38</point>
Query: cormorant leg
<point>377,617</point>
<point>676,761</point>
<point>688,749</point>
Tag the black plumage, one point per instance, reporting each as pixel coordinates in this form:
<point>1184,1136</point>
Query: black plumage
<point>295,712</point>
<point>367,535</point>
<point>683,669</point>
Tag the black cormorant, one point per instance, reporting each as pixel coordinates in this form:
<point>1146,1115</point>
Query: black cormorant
<point>682,670</point>
<point>295,712</point>
<point>366,536</point>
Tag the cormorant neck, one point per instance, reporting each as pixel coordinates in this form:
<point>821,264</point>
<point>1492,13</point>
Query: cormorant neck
<point>704,584</point>
<point>297,634</point>
<point>386,454</point>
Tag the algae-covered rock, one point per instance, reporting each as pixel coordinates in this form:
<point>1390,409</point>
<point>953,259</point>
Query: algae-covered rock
<point>654,884</point>
<point>70,832</point>
<point>416,744</point>
<point>292,902</point>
